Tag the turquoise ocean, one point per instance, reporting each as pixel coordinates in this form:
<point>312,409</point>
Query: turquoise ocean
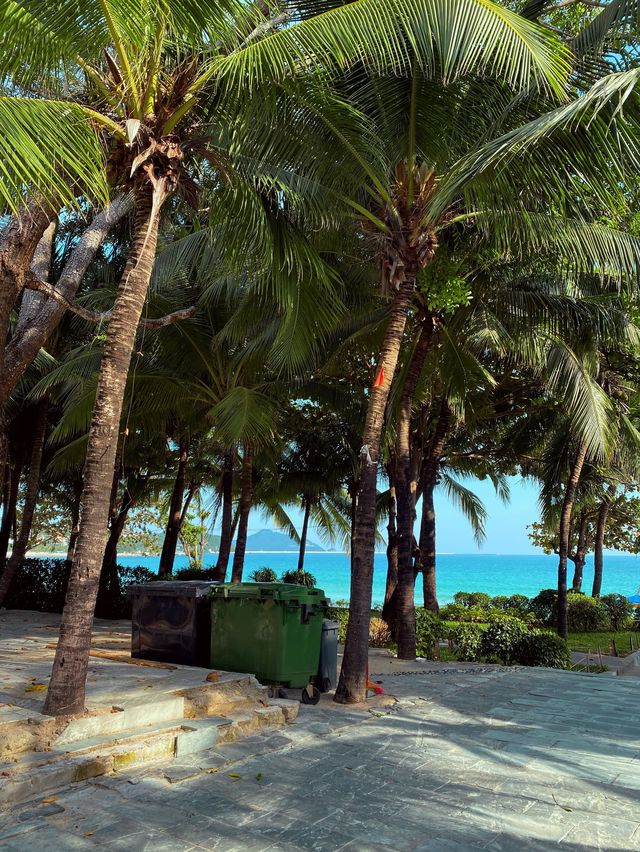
<point>477,572</point>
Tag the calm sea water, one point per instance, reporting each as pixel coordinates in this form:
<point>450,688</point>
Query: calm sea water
<point>494,574</point>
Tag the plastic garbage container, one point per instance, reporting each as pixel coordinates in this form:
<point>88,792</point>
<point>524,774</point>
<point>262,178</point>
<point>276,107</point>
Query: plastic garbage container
<point>171,621</point>
<point>271,630</point>
<point>327,677</point>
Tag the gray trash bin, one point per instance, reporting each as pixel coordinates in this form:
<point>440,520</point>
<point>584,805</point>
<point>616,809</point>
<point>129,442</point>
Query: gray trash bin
<point>327,677</point>
<point>171,621</point>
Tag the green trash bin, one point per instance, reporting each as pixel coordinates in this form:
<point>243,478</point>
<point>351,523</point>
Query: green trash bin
<point>271,630</point>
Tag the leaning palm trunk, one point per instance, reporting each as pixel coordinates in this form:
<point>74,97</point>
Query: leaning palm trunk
<point>227,528</point>
<point>580,554</point>
<point>174,521</point>
<point>303,536</point>
<point>67,686</point>
<point>246,498</point>
<point>565,530</point>
<point>352,685</point>
<point>30,499</point>
<point>406,501</point>
<point>598,560</point>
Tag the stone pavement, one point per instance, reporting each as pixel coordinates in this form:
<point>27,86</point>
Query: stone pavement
<point>460,759</point>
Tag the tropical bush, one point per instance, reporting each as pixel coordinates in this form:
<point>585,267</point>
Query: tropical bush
<point>544,605</point>
<point>585,613</point>
<point>501,638</point>
<point>299,578</point>
<point>193,573</point>
<point>618,609</point>
<point>458,612</point>
<point>467,640</point>
<point>264,575</point>
<point>539,648</point>
<point>472,599</point>
<point>429,631</point>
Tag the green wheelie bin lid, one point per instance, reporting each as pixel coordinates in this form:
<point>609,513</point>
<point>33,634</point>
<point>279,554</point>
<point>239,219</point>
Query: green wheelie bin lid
<point>271,630</point>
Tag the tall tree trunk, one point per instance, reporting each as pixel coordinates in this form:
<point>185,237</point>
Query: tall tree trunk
<point>226,529</point>
<point>565,530</point>
<point>67,685</point>
<point>389,607</point>
<point>109,587</point>
<point>406,497</point>
<point>30,499</point>
<point>174,521</point>
<point>352,686</point>
<point>430,478</point>
<point>581,552</point>
<point>303,537</point>
<point>246,498</point>
<point>598,556</point>
<point>75,519</point>
<point>11,503</point>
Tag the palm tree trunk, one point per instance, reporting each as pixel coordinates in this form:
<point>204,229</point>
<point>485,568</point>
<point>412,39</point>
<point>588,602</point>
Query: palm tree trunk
<point>598,557</point>
<point>581,553</point>
<point>174,524</point>
<point>226,530</point>
<point>30,499</point>
<point>75,519</point>
<point>246,498</point>
<point>389,607</point>
<point>109,587</point>
<point>67,685</point>
<point>10,504</point>
<point>565,529</point>
<point>303,537</point>
<point>352,686</point>
<point>406,497</point>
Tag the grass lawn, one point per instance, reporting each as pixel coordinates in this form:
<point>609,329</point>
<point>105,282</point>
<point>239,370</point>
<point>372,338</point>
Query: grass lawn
<point>602,640</point>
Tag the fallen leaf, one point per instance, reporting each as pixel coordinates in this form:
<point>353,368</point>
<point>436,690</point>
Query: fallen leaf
<point>213,677</point>
<point>88,833</point>
<point>49,800</point>
<point>35,687</point>
<point>235,776</point>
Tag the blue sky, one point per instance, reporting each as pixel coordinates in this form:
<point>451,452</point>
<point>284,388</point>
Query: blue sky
<point>506,525</point>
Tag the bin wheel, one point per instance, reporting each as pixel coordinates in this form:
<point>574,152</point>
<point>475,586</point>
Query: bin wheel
<point>310,695</point>
<point>324,684</point>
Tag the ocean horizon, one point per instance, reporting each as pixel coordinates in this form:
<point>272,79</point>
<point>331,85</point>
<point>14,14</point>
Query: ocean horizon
<point>495,574</point>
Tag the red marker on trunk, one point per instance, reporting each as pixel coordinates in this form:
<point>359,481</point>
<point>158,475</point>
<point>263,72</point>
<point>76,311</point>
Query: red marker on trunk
<point>379,378</point>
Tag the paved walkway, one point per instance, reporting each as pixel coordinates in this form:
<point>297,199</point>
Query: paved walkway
<point>462,758</point>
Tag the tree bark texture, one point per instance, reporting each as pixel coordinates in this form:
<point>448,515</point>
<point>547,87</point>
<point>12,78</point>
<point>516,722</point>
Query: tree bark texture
<point>226,529</point>
<point>21,544</point>
<point>565,530</point>
<point>174,521</point>
<point>10,502</point>
<point>389,606</point>
<point>581,553</point>
<point>598,549</point>
<point>109,587</point>
<point>66,691</point>
<point>246,498</point>
<point>75,519</point>
<point>303,536</point>
<point>406,498</point>
<point>352,686</point>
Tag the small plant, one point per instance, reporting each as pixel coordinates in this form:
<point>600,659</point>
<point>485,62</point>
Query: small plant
<point>379,633</point>
<point>264,575</point>
<point>299,578</point>
<point>539,648</point>
<point>619,610</point>
<point>467,640</point>
<point>501,638</point>
<point>341,615</point>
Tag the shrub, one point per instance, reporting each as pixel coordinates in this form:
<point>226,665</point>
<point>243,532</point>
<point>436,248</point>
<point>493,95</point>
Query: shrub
<point>619,610</point>
<point>379,633</point>
<point>194,574</point>
<point>586,614</point>
<point>341,615</point>
<point>472,599</point>
<point>500,602</point>
<point>467,640</point>
<point>636,618</point>
<point>457,612</point>
<point>544,605</point>
<point>299,578</point>
<point>539,648</point>
<point>429,631</point>
<point>501,637</point>
<point>264,575</point>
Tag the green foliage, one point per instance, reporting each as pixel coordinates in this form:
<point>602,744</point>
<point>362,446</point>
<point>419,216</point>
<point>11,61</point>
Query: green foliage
<point>264,575</point>
<point>636,618</point>
<point>429,631</point>
<point>501,638</point>
<point>467,640</point>
<point>511,604</point>
<point>457,612</point>
<point>299,578</point>
<point>619,610</point>
<point>539,648</point>
<point>472,599</point>
<point>341,615</point>
<point>41,585</point>
<point>544,605</point>
<point>586,613</point>
<point>193,573</point>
